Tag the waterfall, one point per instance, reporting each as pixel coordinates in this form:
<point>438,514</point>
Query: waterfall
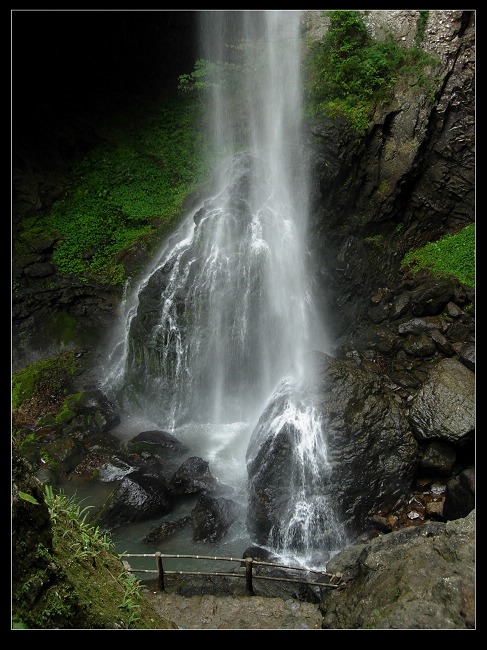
<point>225,311</point>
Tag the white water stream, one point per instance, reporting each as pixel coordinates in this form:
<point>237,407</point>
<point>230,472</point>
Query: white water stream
<point>224,312</point>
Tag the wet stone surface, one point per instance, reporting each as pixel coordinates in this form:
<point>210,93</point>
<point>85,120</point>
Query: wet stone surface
<point>209,612</point>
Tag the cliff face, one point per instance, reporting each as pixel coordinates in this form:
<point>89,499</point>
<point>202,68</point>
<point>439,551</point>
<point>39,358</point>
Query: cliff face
<point>410,180</point>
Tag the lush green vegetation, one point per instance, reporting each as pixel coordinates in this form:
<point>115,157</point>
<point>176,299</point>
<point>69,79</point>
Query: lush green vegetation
<point>349,73</point>
<point>209,74</point>
<point>45,377</point>
<point>92,589</point>
<point>125,192</point>
<point>421,23</point>
<point>450,255</point>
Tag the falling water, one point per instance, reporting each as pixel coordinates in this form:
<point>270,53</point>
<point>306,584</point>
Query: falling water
<point>225,312</point>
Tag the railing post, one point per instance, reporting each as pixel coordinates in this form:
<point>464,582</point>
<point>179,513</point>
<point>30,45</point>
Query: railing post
<point>248,576</point>
<point>160,570</point>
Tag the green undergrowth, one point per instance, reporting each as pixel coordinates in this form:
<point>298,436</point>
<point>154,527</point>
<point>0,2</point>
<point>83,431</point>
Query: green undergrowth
<point>83,583</point>
<point>452,255</point>
<point>44,377</point>
<point>349,73</point>
<point>126,192</point>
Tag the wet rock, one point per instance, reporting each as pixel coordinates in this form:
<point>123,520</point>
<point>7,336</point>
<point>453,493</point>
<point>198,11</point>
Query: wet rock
<point>192,477</point>
<point>460,495</point>
<point>155,442</point>
<point>445,405</point>
<point>139,497</point>
<point>438,458</point>
<point>417,578</point>
<point>164,530</point>
<point>212,517</point>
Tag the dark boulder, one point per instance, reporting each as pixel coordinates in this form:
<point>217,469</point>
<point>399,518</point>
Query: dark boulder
<point>259,553</point>
<point>213,517</point>
<point>156,442</point>
<point>139,497</point>
<point>371,454</point>
<point>165,529</point>
<point>460,495</point>
<point>415,578</point>
<point>193,477</point>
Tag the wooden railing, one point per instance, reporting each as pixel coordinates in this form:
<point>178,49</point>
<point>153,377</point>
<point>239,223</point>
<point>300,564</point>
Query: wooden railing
<point>334,582</point>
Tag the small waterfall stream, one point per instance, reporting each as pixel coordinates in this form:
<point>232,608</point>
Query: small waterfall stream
<point>221,321</point>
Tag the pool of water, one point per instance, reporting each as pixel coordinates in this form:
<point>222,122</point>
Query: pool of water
<point>227,444</point>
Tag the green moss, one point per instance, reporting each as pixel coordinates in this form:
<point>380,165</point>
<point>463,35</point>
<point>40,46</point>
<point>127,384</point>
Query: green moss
<point>81,583</point>
<point>68,410</point>
<point>63,327</point>
<point>49,419</point>
<point>127,190</point>
<point>28,445</point>
<point>42,377</point>
<point>421,27</point>
<point>452,255</point>
<point>374,239</point>
<point>350,74</point>
<point>375,248</point>
<point>141,447</point>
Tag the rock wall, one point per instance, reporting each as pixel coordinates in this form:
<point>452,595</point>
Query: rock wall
<point>409,181</point>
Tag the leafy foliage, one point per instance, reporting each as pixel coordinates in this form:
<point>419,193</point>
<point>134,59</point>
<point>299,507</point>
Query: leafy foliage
<point>45,377</point>
<point>421,23</point>
<point>450,255</point>
<point>28,497</point>
<point>90,588</point>
<point>208,74</point>
<point>128,190</point>
<point>349,73</point>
